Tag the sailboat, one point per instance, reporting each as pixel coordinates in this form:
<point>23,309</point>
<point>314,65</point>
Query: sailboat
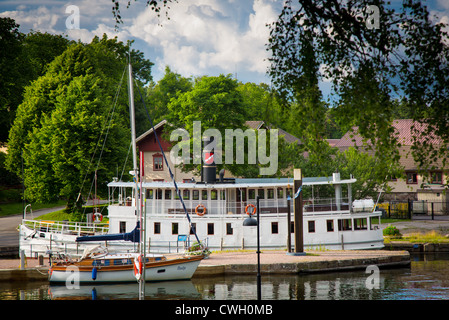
<point>98,264</point>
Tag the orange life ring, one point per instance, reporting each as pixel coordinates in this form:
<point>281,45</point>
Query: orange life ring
<point>203,208</point>
<point>98,217</point>
<point>138,267</point>
<point>250,206</point>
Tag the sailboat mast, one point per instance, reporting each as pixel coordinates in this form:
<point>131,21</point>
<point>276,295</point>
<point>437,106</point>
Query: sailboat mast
<point>136,174</point>
<point>132,119</point>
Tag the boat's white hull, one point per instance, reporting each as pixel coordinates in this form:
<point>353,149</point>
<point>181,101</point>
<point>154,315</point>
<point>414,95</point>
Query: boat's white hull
<point>72,275</point>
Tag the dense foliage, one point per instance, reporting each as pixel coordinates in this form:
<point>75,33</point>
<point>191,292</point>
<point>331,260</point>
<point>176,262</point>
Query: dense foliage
<point>61,124</point>
<point>378,60</point>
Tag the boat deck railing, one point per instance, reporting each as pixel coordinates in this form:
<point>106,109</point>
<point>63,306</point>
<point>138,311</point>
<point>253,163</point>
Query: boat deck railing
<point>75,250</point>
<point>267,206</point>
<point>67,227</point>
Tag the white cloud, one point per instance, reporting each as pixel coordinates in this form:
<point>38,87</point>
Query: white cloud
<point>201,36</point>
<point>40,19</point>
<point>208,35</point>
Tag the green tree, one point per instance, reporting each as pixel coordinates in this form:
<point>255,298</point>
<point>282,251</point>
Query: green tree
<point>215,102</point>
<point>39,49</point>
<point>64,113</point>
<point>406,56</point>
<point>12,82</point>
<point>260,103</point>
<point>159,95</point>
<point>25,60</point>
<point>372,174</point>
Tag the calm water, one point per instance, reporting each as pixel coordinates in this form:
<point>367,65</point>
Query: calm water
<point>427,278</point>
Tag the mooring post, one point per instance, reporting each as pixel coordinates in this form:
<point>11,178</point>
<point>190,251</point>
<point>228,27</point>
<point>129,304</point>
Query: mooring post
<point>289,219</point>
<point>22,259</point>
<point>298,214</point>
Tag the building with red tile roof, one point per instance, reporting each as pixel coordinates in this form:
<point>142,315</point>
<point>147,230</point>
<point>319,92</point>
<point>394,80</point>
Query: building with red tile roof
<point>415,185</point>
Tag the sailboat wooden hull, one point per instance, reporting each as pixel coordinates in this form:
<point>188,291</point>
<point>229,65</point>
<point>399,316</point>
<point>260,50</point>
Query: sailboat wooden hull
<point>174,269</point>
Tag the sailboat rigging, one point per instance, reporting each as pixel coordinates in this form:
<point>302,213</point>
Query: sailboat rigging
<point>100,265</point>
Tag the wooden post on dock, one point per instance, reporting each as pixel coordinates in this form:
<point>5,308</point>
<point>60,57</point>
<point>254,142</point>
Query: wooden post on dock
<point>298,214</point>
<point>289,219</point>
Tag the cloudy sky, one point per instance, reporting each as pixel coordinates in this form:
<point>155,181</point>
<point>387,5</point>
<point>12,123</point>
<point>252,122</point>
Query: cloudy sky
<point>202,37</point>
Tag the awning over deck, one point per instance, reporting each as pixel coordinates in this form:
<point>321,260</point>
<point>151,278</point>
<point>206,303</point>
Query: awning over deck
<point>239,183</point>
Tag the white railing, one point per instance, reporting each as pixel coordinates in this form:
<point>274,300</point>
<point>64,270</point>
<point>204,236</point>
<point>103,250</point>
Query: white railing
<point>67,227</point>
<point>326,205</point>
<point>267,206</point>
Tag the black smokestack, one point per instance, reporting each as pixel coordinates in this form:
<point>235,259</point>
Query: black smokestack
<point>209,172</point>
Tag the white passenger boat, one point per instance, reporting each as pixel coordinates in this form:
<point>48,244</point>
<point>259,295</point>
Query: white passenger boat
<point>217,212</point>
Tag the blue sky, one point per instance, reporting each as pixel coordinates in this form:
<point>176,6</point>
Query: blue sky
<point>202,37</point>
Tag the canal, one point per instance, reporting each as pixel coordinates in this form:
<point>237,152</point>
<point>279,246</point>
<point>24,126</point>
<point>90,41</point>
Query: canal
<point>426,278</point>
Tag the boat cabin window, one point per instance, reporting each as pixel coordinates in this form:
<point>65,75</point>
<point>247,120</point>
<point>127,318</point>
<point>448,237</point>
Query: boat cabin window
<point>193,228</point>
<point>159,194</point>
<point>149,194</point>
<point>241,195</point>
<point>174,228</point>
<point>344,224</point>
<point>102,262</point>
<point>213,194</point>
<point>119,262</point>
<point>280,193</point>
<point>186,194</point>
<point>270,194</point>
<point>167,194</point>
<point>274,228</point>
<point>330,225</point>
<point>311,226</point>
<point>222,195</point>
<point>251,194</point>
<point>261,193</point>
<point>374,223</point>
<point>195,194</point>
<point>122,227</point>
<point>210,229</point>
<point>229,230</point>
<point>360,224</point>
<point>157,228</point>
<point>204,194</point>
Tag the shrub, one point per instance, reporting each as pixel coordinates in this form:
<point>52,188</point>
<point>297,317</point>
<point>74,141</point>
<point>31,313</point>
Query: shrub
<point>392,231</point>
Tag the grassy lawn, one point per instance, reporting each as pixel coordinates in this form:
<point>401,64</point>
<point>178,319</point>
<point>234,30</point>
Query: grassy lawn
<point>388,220</point>
<point>17,208</point>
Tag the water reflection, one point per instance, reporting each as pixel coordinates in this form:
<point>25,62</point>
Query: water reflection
<point>335,286</point>
<point>24,291</point>
<point>428,278</point>
<point>169,290</point>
